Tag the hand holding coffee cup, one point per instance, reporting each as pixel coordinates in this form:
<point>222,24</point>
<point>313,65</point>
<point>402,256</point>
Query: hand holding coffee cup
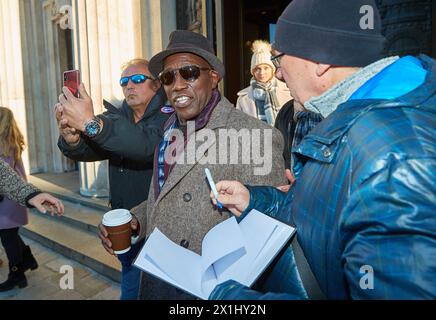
<point>115,231</point>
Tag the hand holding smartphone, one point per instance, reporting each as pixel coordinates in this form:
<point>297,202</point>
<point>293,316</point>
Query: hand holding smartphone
<point>72,81</point>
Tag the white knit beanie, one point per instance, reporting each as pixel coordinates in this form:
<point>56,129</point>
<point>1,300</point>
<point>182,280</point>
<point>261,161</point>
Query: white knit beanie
<point>261,54</point>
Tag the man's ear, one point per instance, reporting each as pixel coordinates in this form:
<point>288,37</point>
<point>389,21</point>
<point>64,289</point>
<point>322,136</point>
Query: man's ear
<point>215,78</point>
<point>321,69</point>
<point>156,85</point>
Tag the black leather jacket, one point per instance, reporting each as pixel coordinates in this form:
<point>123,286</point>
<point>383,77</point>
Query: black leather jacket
<point>129,147</point>
<point>286,124</point>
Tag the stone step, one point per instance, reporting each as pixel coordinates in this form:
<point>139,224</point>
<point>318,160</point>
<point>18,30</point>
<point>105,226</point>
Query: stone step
<point>65,186</point>
<point>68,237</point>
<point>80,216</point>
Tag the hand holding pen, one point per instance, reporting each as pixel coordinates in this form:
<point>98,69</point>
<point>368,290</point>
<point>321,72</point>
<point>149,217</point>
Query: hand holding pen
<point>233,195</point>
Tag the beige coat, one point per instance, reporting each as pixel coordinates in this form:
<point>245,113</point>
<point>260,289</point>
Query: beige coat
<point>183,211</point>
<point>246,102</point>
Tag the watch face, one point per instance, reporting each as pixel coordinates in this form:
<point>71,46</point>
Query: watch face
<point>92,128</point>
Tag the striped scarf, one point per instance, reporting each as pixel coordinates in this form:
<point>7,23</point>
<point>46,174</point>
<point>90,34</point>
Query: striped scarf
<point>265,98</point>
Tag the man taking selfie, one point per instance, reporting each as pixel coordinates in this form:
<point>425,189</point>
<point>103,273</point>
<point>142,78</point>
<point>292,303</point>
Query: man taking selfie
<point>125,136</point>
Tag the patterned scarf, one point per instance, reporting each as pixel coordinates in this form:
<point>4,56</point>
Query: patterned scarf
<point>265,98</point>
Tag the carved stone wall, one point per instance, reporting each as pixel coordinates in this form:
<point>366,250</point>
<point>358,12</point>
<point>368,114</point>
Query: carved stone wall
<point>39,39</point>
<point>407,26</point>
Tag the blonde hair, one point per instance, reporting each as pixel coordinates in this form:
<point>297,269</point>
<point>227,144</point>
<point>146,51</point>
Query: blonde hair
<point>11,139</point>
<point>134,62</point>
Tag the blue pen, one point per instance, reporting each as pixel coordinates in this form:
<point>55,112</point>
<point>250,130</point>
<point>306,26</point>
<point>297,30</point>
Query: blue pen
<point>213,187</point>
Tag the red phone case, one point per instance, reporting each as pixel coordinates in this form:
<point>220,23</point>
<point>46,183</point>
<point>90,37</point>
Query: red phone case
<point>72,81</point>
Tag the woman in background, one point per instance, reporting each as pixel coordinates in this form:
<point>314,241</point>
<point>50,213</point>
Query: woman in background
<point>265,95</point>
<point>13,192</point>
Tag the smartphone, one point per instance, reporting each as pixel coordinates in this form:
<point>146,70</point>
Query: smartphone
<point>72,81</point>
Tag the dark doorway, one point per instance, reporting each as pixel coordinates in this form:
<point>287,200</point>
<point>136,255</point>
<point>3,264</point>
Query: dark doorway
<point>258,17</point>
<point>406,24</point>
<point>244,22</point>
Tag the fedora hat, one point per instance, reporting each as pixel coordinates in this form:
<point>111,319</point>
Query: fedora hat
<point>190,42</point>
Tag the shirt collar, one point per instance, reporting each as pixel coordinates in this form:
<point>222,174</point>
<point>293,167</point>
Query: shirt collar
<point>328,102</point>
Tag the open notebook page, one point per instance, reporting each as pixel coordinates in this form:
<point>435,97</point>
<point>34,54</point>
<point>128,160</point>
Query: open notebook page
<point>222,240</point>
<point>257,229</point>
<point>178,263</point>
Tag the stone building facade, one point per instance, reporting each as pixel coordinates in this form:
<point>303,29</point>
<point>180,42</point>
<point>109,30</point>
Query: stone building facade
<point>39,39</point>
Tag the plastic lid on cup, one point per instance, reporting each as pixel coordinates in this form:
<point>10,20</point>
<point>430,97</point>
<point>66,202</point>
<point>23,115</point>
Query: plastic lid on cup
<point>116,217</point>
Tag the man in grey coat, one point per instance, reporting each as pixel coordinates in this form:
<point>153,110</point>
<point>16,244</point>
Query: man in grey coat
<point>205,132</point>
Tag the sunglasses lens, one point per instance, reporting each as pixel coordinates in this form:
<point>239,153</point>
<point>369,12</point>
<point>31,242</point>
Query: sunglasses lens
<point>124,81</point>
<point>166,77</point>
<point>190,73</point>
<point>138,78</point>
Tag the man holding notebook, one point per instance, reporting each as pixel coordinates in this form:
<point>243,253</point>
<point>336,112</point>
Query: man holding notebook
<point>206,131</point>
<point>364,198</point>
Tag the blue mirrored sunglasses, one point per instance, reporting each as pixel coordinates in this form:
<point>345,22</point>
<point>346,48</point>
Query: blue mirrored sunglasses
<point>136,78</point>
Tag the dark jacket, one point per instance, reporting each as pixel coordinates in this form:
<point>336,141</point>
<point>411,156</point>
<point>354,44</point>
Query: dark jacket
<point>286,125</point>
<point>129,147</point>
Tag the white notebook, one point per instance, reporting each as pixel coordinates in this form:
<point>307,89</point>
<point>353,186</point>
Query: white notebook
<point>230,251</point>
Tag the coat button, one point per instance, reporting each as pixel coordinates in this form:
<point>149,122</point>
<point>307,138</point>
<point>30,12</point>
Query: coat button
<point>187,197</point>
<point>184,243</point>
<point>327,153</point>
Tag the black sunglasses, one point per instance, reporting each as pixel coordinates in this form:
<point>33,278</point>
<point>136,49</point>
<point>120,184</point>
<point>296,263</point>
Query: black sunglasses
<point>189,73</point>
<point>276,60</point>
<point>136,78</point>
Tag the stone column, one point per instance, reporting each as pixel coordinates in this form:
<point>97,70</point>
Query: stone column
<point>12,93</point>
<point>31,62</point>
<point>108,33</point>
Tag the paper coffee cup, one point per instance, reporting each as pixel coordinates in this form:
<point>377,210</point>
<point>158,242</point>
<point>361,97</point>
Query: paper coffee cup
<point>117,224</point>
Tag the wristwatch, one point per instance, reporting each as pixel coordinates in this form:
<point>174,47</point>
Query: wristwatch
<point>92,127</point>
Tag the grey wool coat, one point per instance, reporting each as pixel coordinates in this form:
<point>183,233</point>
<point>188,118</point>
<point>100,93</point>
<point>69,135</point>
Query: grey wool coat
<point>183,210</point>
<point>13,187</point>
<point>12,214</point>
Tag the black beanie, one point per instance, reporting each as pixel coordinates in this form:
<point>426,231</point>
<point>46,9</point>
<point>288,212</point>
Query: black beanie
<point>329,31</point>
